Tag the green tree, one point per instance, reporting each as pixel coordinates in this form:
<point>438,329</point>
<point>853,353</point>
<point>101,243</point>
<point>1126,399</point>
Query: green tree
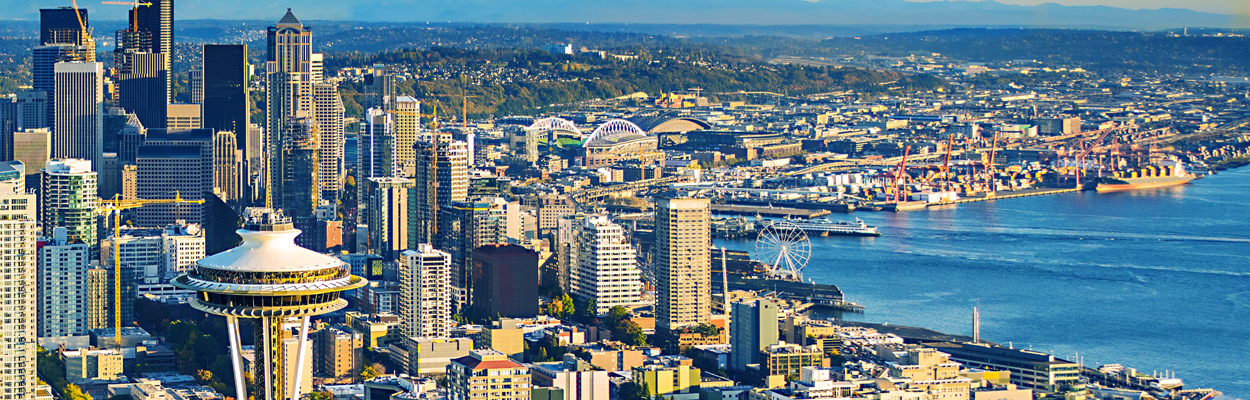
<point>615,315</point>
<point>567,301</point>
<point>633,391</point>
<point>73,392</point>
<point>372,371</point>
<point>322,395</point>
<point>630,333</point>
<point>590,308</point>
<point>203,376</point>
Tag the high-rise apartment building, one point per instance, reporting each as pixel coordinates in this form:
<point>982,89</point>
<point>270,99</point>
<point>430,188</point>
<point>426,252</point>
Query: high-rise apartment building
<point>388,216</point>
<point>407,131</point>
<point>69,200</point>
<point>18,231</point>
<point>682,260</point>
<point>104,305</point>
<point>329,117</point>
<point>289,91</point>
<point>63,287</point>
<point>79,108</point>
<point>606,267</point>
<point>425,301</point>
<point>441,178</point>
<point>226,102</point>
<point>753,328</point>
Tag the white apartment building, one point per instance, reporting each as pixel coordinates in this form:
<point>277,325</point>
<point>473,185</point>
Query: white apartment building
<point>62,287</point>
<point>18,283</point>
<point>605,268</point>
<point>425,296</point>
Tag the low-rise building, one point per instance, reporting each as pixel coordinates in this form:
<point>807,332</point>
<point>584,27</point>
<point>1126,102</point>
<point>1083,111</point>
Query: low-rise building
<point>90,364</point>
<point>429,355</point>
<point>487,374</point>
<point>672,375</point>
<point>577,378</point>
<point>786,359</point>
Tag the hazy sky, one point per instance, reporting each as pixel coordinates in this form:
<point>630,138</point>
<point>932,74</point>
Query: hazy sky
<point>1214,6</point>
<point>347,9</point>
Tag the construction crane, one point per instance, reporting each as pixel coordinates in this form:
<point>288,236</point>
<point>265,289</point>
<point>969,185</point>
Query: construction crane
<point>989,167</point>
<point>115,207</point>
<point>433,116</point>
<point>134,7</point>
<point>1093,144</point>
<point>464,108</point>
<point>946,164</point>
<point>81,25</point>
<point>897,182</point>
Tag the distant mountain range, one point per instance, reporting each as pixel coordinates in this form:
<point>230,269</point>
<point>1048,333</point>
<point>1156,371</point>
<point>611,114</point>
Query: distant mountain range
<point>684,12</point>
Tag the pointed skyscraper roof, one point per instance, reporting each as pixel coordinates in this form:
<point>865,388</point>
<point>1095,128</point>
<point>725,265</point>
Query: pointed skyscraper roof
<point>289,19</point>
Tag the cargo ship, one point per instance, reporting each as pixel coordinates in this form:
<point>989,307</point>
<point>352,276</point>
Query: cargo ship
<point>1169,173</point>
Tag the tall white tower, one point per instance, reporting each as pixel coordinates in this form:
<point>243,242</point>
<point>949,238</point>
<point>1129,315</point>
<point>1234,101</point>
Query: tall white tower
<point>425,292</point>
<point>271,279</point>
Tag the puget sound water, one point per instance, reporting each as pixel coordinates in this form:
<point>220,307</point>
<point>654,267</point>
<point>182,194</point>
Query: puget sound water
<point>1153,279</point>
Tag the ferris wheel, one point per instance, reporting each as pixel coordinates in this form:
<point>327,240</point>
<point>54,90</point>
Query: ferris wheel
<point>784,247</point>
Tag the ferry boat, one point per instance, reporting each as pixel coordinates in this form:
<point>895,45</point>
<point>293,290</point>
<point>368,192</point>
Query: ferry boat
<point>846,228</point>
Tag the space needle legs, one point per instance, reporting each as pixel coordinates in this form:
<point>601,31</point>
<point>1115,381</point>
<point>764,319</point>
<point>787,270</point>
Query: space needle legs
<point>236,357</point>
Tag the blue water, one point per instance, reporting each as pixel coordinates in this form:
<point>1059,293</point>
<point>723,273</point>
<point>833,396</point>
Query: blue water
<point>1155,280</point>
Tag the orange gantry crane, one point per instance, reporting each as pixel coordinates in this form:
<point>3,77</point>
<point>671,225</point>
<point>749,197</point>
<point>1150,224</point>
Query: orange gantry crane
<point>899,175</point>
<point>115,207</point>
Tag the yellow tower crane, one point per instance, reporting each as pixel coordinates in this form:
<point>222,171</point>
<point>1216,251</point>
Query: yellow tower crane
<point>115,207</point>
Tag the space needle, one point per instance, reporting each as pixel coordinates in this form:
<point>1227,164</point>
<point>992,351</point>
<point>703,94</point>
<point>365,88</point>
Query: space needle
<point>271,279</point>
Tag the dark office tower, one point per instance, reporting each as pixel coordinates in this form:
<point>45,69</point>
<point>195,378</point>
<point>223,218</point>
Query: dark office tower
<point>289,90</point>
<point>505,281</point>
<point>8,125</point>
<point>141,79</point>
<point>301,191</point>
<point>220,222</point>
<point>226,166</point>
<point>225,106</point>
<point>157,19</point>
<point>60,26</point>
<point>462,227</point>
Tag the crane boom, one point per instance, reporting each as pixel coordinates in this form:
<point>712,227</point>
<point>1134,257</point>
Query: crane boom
<point>115,207</point>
